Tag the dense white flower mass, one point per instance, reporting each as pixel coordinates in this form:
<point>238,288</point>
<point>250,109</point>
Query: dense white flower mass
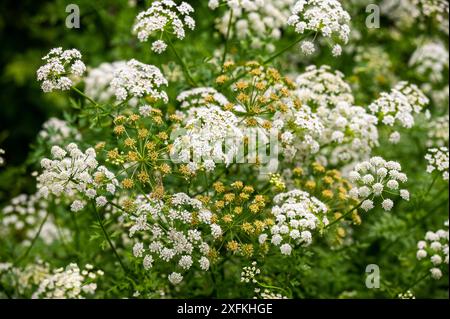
<point>438,132</point>
<point>205,133</point>
<point>437,159</point>
<point>349,131</point>
<point>260,21</point>
<point>174,232</point>
<point>73,172</point>
<point>301,130</point>
<point>24,215</point>
<point>70,282</point>
<point>201,96</point>
<point>136,79</point>
<point>325,17</point>
<point>56,131</point>
<point>98,82</point>
<point>249,273</point>
<point>430,61</point>
<point>435,249</point>
<point>164,17</point>
<point>297,214</point>
<point>377,178</point>
<point>321,87</point>
<point>61,67</point>
<point>399,106</point>
<point>407,12</point>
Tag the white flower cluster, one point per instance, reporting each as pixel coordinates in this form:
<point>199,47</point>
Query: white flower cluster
<point>438,130</point>
<point>399,106</point>
<point>249,273</point>
<point>260,21</point>
<point>136,79</point>
<point>297,214</point>
<point>70,282</point>
<point>301,130</point>
<point>321,87</point>
<point>98,82</point>
<point>206,130</point>
<point>430,61</point>
<point>2,160</point>
<point>377,178</point>
<point>435,246</point>
<point>60,67</point>
<point>56,131</point>
<point>201,96</point>
<point>24,215</point>
<point>349,131</point>
<point>172,232</point>
<point>71,172</point>
<point>437,159</point>
<point>406,295</point>
<point>163,17</point>
<point>267,294</point>
<point>326,17</point>
<point>407,12</point>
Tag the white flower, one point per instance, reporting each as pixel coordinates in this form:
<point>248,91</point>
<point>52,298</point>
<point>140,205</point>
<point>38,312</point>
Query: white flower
<point>138,249</point>
<point>185,262</point>
<point>367,205</point>
<point>70,282</point>
<point>387,204</point>
<point>394,138</point>
<point>259,22</point>
<point>430,60</point>
<point>307,47</point>
<point>207,130</point>
<point>437,159</point>
<point>436,246</point>
<point>148,262</point>
<point>76,206</point>
<point>136,79</point>
<point>436,260</point>
<point>404,194</point>
<point>101,201</point>
<point>337,50</point>
<point>286,249</point>
<point>421,254</point>
<point>325,17</point>
<point>60,69</point>
<point>296,213</point>
<point>163,18</point>
<point>378,178</point>
<point>400,105</point>
<point>175,278</point>
<point>436,273</point>
<point>204,263</point>
<point>74,174</point>
<point>159,46</point>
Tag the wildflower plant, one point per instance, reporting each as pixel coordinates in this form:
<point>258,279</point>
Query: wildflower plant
<point>233,165</point>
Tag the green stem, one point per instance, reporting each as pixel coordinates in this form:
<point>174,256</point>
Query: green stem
<point>415,283</point>
<point>33,241</point>
<point>276,55</point>
<point>224,57</point>
<point>344,215</point>
<point>85,96</point>
<point>431,185</point>
<point>183,64</point>
<point>108,239</point>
